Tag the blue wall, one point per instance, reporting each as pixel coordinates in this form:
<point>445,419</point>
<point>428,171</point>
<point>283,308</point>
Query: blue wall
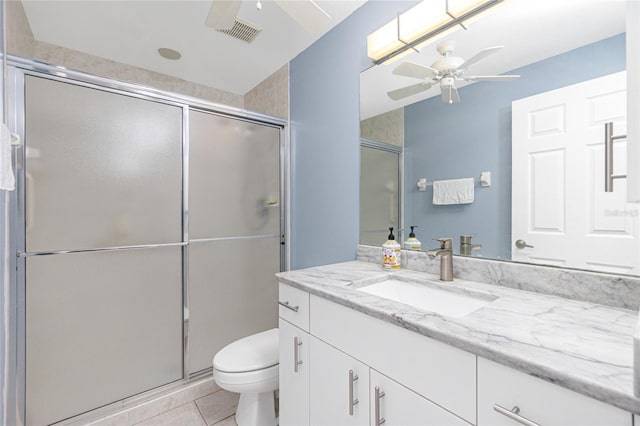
<point>325,132</point>
<point>462,140</point>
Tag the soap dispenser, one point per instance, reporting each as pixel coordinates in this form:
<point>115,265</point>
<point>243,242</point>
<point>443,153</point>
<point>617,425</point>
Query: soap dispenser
<point>391,252</point>
<point>412,242</point>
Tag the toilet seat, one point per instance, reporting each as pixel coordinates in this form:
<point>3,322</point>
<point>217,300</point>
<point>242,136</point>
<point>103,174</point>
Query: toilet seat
<point>265,380</point>
<point>252,353</point>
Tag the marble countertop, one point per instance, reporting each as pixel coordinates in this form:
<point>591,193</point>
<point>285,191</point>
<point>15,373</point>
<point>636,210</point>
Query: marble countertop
<point>582,346</point>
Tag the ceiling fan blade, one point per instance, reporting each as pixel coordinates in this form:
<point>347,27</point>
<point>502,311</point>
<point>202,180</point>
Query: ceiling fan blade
<point>478,57</point>
<point>449,94</point>
<point>490,77</point>
<point>404,92</point>
<point>223,13</point>
<point>409,69</point>
<point>307,13</point>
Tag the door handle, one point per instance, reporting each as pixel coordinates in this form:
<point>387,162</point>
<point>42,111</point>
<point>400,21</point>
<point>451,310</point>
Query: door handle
<point>296,354</point>
<point>513,414</point>
<point>608,157</point>
<point>379,395</point>
<point>352,402</point>
<point>522,244</point>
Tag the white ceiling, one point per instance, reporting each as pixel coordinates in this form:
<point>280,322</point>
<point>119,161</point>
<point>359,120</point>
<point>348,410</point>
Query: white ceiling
<point>131,31</point>
<point>530,30</point>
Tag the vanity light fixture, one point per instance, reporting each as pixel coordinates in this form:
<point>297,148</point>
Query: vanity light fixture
<point>426,21</point>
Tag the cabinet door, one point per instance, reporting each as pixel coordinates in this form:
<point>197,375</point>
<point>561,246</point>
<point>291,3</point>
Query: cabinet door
<point>398,405</point>
<point>337,381</point>
<point>294,375</point>
<point>537,400</point>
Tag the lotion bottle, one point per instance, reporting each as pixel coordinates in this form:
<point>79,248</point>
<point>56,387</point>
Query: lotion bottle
<point>391,252</point>
<point>412,242</point>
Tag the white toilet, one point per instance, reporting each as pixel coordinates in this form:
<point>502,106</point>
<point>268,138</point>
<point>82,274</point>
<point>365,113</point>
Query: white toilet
<point>249,366</point>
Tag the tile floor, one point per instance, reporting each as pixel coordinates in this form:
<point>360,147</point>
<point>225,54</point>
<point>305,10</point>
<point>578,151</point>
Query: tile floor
<point>217,408</point>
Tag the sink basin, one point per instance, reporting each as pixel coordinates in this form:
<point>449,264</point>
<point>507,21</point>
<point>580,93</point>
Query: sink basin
<point>430,296</point>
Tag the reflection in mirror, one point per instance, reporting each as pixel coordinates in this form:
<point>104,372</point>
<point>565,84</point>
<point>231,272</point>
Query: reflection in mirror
<point>541,137</point>
<point>380,202</point>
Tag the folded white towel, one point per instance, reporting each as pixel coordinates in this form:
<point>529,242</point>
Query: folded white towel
<point>454,191</point>
<point>7,179</point>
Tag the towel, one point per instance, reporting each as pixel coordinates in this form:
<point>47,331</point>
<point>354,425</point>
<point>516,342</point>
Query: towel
<point>454,191</point>
<point>7,179</point>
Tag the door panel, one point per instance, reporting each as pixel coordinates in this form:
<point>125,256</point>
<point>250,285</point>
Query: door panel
<point>233,293</point>
<point>100,326</point>
<point>234,177</point>
<point>98,164</point>
<point>559,204</point>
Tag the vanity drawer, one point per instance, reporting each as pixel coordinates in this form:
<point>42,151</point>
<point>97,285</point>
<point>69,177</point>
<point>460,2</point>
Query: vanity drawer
<point>539,401</point>
<point>439,372</point>
<point>293,306</point>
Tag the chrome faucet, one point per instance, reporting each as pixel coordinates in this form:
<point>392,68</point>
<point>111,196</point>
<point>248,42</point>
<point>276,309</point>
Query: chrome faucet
<point>466,246</point>
<point>446,258</point>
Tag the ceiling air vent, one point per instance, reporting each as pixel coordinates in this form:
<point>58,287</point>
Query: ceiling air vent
<point>243,30</point>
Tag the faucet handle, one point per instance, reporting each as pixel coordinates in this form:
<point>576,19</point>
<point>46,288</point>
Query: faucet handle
<point>466,238</point>
<point>445,243</point>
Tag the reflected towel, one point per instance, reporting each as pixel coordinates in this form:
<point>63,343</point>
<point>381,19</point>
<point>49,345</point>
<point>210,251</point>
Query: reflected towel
<point>7,178</point>
<point>454,191</point>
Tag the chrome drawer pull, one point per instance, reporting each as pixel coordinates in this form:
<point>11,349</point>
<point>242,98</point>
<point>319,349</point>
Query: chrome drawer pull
<point>352,402</point>
<point>378,420</point>
<point>296,357</point>
<point>288,306</point>
<point>513,414</point>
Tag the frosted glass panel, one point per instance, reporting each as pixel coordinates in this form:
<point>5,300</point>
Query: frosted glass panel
<point>103,169</point>
<point>100,327</point>
<point>379,204</point>
<point>234,177</point>
<point>233,293</point>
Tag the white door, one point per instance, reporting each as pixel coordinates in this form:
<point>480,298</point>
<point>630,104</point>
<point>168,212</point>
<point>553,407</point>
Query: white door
<point>559,204</point>
<point>400,406</point>
<point>294,375</point>
<point>339,387</point>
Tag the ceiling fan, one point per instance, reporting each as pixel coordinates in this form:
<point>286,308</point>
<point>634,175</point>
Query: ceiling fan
<point>307,13</point>
<point>445,71</point>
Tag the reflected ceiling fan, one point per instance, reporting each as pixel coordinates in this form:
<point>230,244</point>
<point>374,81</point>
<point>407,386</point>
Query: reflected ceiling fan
<point>310,16</point>
<point>445,71</point>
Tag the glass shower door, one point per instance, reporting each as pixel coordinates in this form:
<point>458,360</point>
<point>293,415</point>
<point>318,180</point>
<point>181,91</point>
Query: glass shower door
<point>102,249</point>
<point>234,232</point>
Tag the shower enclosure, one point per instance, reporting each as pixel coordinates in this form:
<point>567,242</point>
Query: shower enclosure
<point>147,232</point>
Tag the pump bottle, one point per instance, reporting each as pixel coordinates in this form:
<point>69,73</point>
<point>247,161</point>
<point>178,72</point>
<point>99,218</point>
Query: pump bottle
<point>391,252</point>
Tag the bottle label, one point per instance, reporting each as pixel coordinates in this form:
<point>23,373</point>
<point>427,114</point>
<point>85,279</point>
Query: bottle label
<point>391,258</point>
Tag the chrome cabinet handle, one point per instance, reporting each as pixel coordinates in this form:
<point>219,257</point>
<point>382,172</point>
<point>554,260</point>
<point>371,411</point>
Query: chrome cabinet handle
<point>513,415</point>
<point>608,157</point>
<point>352,402</point>
<point>379,395</point>
<point>288,306</point>
<point>296,356</point>
<point>522,244</point>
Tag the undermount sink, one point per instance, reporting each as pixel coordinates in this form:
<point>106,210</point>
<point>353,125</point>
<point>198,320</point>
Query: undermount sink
<point>431,297</point>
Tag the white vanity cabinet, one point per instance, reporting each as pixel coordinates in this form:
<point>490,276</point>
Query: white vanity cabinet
<point>400,377</point>
<point>294,356</point>
<point>394,404</point>
<point>339,391</point>
<point>538,401</point>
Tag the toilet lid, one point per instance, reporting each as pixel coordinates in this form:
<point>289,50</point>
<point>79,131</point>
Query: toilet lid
<point>250,353</point>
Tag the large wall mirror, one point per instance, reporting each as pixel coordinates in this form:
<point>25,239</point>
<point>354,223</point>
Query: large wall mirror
<point>538,138</point>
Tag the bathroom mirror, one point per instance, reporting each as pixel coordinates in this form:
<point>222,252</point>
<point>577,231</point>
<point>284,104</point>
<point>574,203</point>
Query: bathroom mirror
<point>552,46</point>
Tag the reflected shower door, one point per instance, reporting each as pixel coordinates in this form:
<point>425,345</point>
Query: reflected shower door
<point>379,195</point>
<point>234,232</point>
